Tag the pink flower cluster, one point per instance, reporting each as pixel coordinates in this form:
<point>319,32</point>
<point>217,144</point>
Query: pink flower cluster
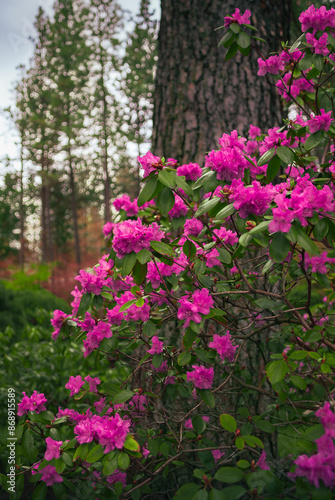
<point>193,227</point>
<point>223,346</point>
<point>253,199</point>
<point>201,377</point>
<point>35,403</point>
<point>317,19</point>
<point>108,431</point>
<point>238,18</point>
<point>133,236</point>
<point>318,262</point>
<point>149,163</point>
<point>49,475</point>
<point>57,321</point>
<point>320,466</point>
<point>191,171</point>
<point>229,161</point>
<point>157,346</point>
<point>190,307</point>
<point>124,203</point>
<point>226,235</point>
<point>320,122</point>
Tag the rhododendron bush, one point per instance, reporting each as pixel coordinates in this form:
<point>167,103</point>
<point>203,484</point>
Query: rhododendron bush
<point>214,308</point>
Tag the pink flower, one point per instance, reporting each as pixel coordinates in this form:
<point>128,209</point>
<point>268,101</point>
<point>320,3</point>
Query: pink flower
<point>191,171</point>
<point>57,321</point>
<point>319,45</point>
<point>35,403</point>
<point>320,122</point>
<point>100,405</point>
<point>53,449</point>
<point>50,475</point>
<point>193,227</point>
<point>237,18</point>
<point>226,235</point>
<point>133,236</point>
<point>93,383</point>
<point>217,454</point>
<point>254,132</point>
<point>108,228</point>
<point>74,384</point>
<point>201,377</point>
<point>261,462</point>
<point>223,346</point>
<point>157,346</point>
<point>253,199</point>
<point>179,209</point>
<point>272,65</point>
<point>149,163</point>
<point>327,418</point>
<point>124,203</point>
<point>117,477</point>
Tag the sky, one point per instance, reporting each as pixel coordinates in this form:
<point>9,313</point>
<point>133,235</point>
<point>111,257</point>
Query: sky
<point>16,27</point>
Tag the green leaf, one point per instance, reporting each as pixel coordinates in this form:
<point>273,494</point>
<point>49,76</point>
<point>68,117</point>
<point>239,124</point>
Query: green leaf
<point>85,303</point>
<point>140,272</point>
<point>265,426</point>
<point>224,256</point>
<point>184,358</point>
<point>243,464</point>
<point>279,248</point>
<point>147,191</point>
<point>189,249</point>
<point>149,328</point>
<point>167,178</point>
<point>228,422</point>
<point>153,446</point>
<point>231,51</point>
<point>245,239</point>
<point>110,467</point>
<point>81,452</point>
<point>276,371</point>
<point>162,248</point>
<point>266,157</point>
<point>123,461</point>
<point>122,396</point>
<point>131,444</point>
<point>225,38</point>
<point>187,491</point>
<point>128,263</point>
<point>243,40</point>
<point>40,492</point>
<point>183,185</point>
<point>299,382</point>
<point>285,154</point>
<point>272,168</point>
<point>320,229</point>
<point>207,397</point>
<point>206,206</point>
<point>207,176</point>
<point>239,443</point>
<point>157,360</point>
<point>189,337</point>
<point>298,234</point>
<point>165,201</point>
<point>253,441</point>
<point>126,306</point>
<point>225,212</point>
<point>267,266</point>
<point>95,454</point>
<point>164,449</point>
<point>297,43</point>
<point>144,256</point>
<point>229,475</point>
<point>314,140</point>
<point>234,492</point>
<point>199,425</point>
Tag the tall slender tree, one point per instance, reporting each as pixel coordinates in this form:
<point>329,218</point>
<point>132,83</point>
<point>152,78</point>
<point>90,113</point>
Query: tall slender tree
<point>67,55</point>
<point>138,78</point>
<point>198,94</point>
<point>104,24</point>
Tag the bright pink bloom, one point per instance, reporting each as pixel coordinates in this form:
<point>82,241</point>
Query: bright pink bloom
<point>217,454</point>
<point>157,346</point>
<point>253,199</point>
<point>35,403</point>
<point>254,132</point>
<point>57,321</point>
<point>149,163</point>
<point>226,235</point>
<point>238,18</point>
<point>320,122</point>
<point>327,418</point>
<point>319,45</point>
<point>108,228</point>
<point>100,405</point>
<point>93,383</point>
<point>124,203</point>
<point>50,475</point>
<point>272,65</point>
<point>133,236</point>
<point>99,332</point>
<point>74,384</point>
<point>201,377</point>
<point>117,477</point>
<point>191,171</point>
<point>261,462</point>
<point>53,449</point>
<point>223,346</point>
<point>193,227</point>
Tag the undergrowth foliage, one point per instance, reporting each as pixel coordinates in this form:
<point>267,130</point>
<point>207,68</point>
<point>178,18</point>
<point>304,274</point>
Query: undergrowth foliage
<point>214,309</point>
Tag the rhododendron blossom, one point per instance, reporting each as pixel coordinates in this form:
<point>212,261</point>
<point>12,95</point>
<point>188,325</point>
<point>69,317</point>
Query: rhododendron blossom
<point>35,403</point>
<point>201,377</point>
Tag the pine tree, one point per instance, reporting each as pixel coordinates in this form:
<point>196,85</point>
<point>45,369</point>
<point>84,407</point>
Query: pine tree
<point>137,79</point>
<point>104,23</point>
<point>67,58</point>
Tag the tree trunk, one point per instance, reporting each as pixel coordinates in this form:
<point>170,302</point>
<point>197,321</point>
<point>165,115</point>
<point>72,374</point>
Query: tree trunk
<point>74,205</point>
<point>199,95</point>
